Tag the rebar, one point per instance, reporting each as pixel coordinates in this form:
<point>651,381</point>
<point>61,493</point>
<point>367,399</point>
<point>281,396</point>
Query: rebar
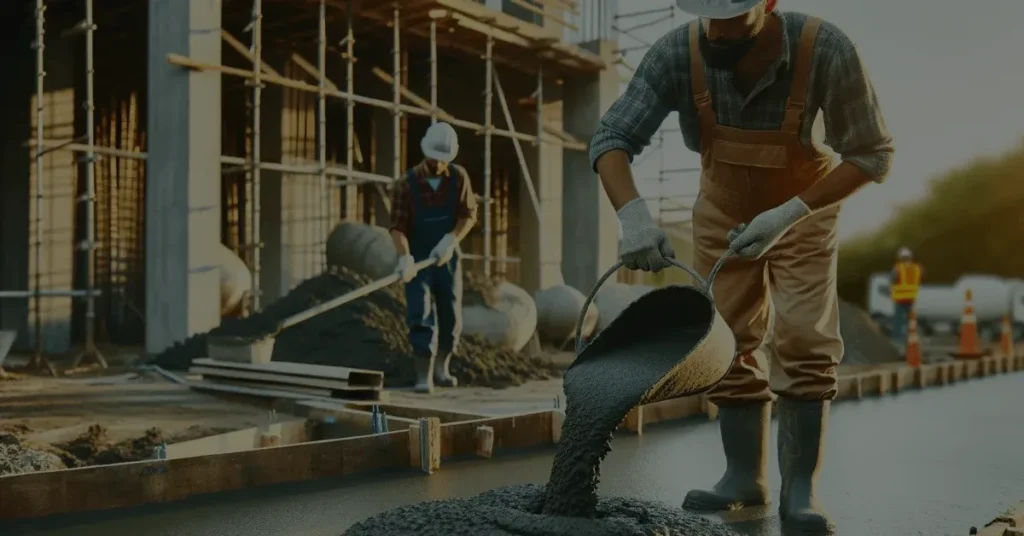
<point>350,113</point>
<point>396,94</point>
<point>433,71</point>
<point>257,98</point>
<point>488,105</point>
<point>40,118</point>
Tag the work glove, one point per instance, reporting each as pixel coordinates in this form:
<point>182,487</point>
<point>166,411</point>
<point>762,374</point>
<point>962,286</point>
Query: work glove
<point>642,245</point>
<point>751,241</point>
<point>406,268</point>
<point>445,249</point>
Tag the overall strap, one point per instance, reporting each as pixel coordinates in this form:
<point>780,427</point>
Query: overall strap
<point>801,76</point>
<point>698,82</point>
<point>415,192</point>
<point>454,190</point>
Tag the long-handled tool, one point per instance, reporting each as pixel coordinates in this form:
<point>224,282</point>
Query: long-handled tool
<point>259,349</point>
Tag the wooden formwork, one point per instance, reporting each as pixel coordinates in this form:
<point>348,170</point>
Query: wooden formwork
<point>246,459</point>
<point>885,380</point>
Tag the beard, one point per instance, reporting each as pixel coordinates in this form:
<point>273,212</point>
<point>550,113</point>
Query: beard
<point>725,53</point>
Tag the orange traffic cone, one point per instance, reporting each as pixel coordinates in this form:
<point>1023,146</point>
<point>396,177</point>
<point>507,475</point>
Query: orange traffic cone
<point>913,352</point>
<point>970,347</point>
<point>1006,345</point>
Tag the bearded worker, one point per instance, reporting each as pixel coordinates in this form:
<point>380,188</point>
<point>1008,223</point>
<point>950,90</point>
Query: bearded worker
<point>748,81</point>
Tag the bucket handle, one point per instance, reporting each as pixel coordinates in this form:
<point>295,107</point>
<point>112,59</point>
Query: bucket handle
<point>705,287</point>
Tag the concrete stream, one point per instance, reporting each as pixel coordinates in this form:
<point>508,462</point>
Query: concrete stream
<point>925,463</point>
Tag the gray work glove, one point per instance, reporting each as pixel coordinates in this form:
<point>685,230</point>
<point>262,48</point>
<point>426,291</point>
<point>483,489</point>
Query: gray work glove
<point>445,249</point>
<point>642,245</point>
<point>751,241</point>
<point>406,268</point>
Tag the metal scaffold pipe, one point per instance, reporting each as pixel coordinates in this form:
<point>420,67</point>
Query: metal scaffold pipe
<point>321,142</point>
<point>488,124</point>
<point>433,71</point>
<point>257,97</point>
<point>350,105</point>
<point>39,183</point>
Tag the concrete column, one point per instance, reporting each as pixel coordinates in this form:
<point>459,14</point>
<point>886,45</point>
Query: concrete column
<point>182,173</point>
<point>540,242</point>
<point>18,199</point>
<point>590,228</point>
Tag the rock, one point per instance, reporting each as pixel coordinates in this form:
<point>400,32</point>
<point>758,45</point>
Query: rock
<point>507,318</point>
<point>611,300</point>
<point>235,283</point>
<point>364,249</point>
<point>558,310</point>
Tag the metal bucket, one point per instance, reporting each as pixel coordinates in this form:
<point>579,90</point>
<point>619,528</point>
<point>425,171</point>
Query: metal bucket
<point>675,329</point>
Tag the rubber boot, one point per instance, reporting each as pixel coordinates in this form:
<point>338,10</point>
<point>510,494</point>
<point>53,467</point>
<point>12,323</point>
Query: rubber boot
<point>424,378</point>
<point>745,432</point>
<point>801,439</point>
<point>442,377</point>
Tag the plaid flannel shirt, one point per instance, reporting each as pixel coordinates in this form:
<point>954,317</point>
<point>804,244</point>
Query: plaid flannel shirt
<point>455,177</point>
<point>840,87</point>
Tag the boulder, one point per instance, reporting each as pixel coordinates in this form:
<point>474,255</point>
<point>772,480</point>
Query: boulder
<point>558,310</point>
<point>611,300</point>
<point>504,314</point>
<point>362,248</point>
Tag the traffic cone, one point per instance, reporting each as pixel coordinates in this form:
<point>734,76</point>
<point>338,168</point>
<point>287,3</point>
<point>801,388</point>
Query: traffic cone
<point>913,351</point>
<point>1006,345</point>
<point>970,347</point>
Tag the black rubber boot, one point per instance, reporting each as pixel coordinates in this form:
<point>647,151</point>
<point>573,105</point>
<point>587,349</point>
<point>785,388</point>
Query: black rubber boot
<point>424,377</point>
<point>745,432</point>
<point>801,439</point>
<point>442,377</point>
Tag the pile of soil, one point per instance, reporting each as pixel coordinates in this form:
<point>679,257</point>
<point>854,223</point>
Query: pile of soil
<point>369,333</point>
<point>864,342</point>
<point>94,447</point>
<point>17,458</point>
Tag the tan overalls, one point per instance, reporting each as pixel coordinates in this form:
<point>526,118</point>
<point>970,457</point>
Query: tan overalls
<point>746,172</point>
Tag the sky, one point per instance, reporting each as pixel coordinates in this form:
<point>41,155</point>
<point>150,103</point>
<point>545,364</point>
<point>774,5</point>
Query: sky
<point>949,76</point>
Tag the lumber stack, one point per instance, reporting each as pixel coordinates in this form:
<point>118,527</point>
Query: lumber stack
<point>288,380</point>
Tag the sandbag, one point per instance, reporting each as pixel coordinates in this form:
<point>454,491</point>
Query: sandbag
<point>362,248</point>
<point>612,299</point>
<point>235,282</point>
<point>508,318</point>
<point>558,309</point>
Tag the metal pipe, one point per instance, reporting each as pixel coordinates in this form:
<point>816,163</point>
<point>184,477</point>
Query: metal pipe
<point>350,111</point>
<point>49,293</point>
<point>257,98</point>
<point>433,71</point>
<point>488,104</point>
<point>40,118</point>
<point>396,96</point>
<point>90,183</point>
<point>321,146</point>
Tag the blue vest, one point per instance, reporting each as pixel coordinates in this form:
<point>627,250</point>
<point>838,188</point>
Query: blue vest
<point>430,223</point>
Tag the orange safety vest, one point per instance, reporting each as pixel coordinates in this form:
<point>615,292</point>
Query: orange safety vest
<point>908,282</point>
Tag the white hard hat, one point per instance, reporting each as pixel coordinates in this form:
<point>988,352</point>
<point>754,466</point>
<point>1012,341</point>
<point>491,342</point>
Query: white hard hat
<point>904,253</point>
<point>717,9</point>
<point>440,142</point>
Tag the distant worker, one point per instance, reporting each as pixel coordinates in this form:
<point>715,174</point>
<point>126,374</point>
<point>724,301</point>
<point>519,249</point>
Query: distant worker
<point>432,209</point>
<point>905,283</point>
<point>748,82</point>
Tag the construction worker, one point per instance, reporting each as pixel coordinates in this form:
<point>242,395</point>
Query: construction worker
<point>906,281</point>
<point>748,81</point>
<point>431,211</point>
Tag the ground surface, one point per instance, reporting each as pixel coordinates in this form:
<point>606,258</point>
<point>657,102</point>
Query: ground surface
<point>118,416</point>
<point>921,463</point>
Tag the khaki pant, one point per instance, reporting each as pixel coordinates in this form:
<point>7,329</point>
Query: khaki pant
<point>796,280</point>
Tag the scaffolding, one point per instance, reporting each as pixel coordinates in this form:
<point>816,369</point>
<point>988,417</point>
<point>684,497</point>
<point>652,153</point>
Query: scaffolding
<point>462,16</point>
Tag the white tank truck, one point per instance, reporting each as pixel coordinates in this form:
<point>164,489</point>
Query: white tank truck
<point>939,307</point>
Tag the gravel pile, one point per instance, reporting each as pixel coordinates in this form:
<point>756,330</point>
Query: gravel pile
<point>864,342</point>
<point>368,333</point>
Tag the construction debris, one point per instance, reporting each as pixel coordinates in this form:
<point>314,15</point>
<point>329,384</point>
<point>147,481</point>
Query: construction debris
<point>369,333</point>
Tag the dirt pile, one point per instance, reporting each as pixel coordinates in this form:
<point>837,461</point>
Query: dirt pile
<point>864,342</point>
<point>17,458</point>
<point>369,333</point>
<point>94,447</point>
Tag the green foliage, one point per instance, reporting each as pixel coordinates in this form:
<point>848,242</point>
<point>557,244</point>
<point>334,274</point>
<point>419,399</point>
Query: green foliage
<point>972,221</point>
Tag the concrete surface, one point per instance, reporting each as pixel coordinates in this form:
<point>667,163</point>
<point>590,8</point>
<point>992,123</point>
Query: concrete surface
<point>926,463</point>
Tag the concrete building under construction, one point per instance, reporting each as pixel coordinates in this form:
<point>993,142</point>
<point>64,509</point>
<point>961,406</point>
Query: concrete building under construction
<point>141,135</point>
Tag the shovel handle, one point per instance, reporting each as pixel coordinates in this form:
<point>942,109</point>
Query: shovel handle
<point>705,287</point>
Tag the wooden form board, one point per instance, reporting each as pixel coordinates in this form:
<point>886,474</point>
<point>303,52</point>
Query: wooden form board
<point>360,377</point>
<point>270,377</point>
<point>315,409</point>
<point>291,432</point>
<point>271,393</point>
<point>888,380</point>
<point>131,484</point>
<point>521,431</point>
<point>418,412</point>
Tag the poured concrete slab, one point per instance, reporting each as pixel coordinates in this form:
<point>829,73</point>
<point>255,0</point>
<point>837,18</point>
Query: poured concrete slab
<point>931,462</point>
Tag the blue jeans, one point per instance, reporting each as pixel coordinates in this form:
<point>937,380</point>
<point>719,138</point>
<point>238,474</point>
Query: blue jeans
<point>434,314</point>
<point>900,321</point>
